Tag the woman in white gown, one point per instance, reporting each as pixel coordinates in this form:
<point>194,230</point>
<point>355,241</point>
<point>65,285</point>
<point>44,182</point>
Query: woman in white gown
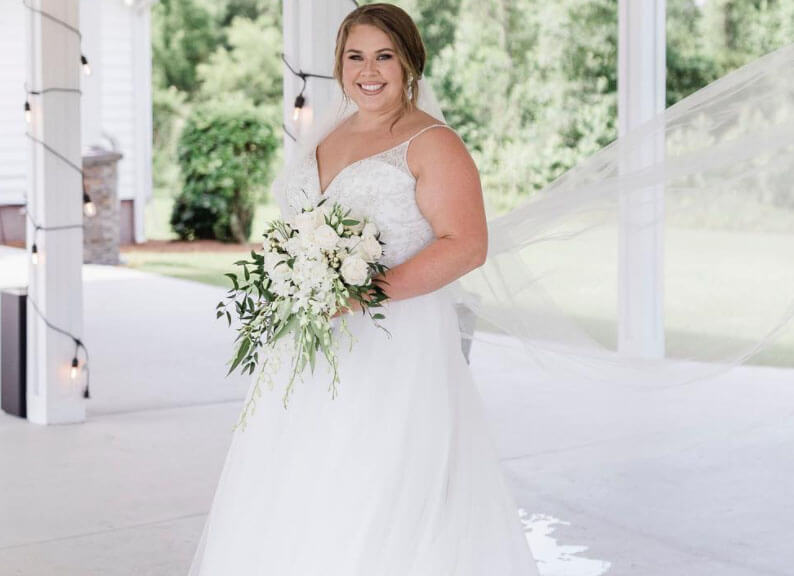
<point>397,475</point>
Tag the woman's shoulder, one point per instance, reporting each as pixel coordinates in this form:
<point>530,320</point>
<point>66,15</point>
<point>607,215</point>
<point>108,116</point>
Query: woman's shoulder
<point>420,121</point>
<point>434,142</point>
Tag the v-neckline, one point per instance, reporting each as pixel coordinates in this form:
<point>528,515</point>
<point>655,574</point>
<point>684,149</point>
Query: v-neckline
<point>353,163</point>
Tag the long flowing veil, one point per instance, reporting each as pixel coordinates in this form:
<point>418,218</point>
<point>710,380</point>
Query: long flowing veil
<point>632,332</point>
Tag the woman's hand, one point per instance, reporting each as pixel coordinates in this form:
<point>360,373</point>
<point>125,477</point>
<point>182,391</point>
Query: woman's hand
<point>353,305</point>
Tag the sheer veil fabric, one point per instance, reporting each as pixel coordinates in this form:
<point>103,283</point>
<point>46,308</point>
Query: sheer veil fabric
<point>692,215</point>
<point>718,163</point>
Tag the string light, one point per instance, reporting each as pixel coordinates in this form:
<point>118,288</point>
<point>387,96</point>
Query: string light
<point>300,99</point>
<point>86,65</point>
<point>88,206</point>
<point>67,26</point>
<point>89,209</point>
<point>78,345</point>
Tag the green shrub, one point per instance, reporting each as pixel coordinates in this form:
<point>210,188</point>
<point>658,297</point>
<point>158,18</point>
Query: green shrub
<point>225,152</point>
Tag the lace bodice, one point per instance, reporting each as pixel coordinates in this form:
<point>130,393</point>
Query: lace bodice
<point>379,188</point>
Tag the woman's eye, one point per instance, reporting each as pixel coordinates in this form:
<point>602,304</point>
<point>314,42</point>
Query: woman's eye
<point>357,57</point>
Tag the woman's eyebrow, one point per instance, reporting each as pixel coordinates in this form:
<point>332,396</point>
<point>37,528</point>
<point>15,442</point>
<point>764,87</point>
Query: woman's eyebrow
<point>376,51</point>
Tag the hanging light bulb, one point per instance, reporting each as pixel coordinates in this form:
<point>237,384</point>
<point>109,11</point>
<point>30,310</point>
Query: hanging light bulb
<point>34,254</point>
<point>89,209</point>
<point>75,366</point>
<point>28,113</point>
<point>86,65</point>
<point>299,102</point>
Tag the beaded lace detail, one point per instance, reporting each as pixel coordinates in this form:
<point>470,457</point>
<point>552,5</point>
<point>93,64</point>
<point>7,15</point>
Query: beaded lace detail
<point>380,188</point>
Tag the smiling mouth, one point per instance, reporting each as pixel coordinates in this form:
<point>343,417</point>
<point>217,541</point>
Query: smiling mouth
<point>370,89</point>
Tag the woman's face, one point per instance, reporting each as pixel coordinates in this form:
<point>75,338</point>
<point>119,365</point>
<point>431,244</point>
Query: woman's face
<point>371,73</point>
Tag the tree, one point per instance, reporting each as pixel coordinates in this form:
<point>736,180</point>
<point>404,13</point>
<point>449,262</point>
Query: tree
<point>249,64</point>
<point>184,35</point>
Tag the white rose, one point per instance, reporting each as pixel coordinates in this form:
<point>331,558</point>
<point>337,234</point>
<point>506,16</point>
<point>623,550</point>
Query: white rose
<point>355,271</point>
<point>305,222</point>
<point>370,249</point>
<point>326,237</point>
<point>369,230</point>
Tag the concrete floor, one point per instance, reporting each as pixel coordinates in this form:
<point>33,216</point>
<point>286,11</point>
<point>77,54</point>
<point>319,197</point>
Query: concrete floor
<point>694,480</point>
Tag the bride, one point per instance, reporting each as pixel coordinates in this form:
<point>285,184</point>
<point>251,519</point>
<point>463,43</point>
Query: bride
<point>398,474</point>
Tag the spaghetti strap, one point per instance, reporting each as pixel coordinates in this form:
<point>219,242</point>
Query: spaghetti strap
<point>408,145</point>
<point>427,128</point>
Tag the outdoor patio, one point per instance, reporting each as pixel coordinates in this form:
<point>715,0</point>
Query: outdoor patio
<point>127,491</point>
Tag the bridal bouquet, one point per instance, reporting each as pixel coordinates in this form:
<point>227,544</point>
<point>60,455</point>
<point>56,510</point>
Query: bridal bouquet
<point>312,265</point>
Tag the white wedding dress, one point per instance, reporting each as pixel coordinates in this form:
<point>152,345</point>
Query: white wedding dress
<point>396,476</point>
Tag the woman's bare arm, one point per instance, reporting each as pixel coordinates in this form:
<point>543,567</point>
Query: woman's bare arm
<point>449,195</point>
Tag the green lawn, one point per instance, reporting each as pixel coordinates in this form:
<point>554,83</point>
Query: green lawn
<point>205,267</point>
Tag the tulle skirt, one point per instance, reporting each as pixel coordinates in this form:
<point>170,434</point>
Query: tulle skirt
<point>396,476</point>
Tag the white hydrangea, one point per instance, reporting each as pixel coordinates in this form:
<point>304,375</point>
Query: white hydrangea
<point>272,259</point>
<point>293,245</point>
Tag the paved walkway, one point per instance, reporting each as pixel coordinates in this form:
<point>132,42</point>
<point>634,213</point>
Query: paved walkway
<point>705,489</point>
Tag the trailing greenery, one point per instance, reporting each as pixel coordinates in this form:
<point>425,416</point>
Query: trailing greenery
<point>224,155</point>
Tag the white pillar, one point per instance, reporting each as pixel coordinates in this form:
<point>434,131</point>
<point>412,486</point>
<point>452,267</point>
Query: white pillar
<point>641,95</point>
<point>142,74</point>
<point>54,199</point>
<point>91,105</point>
<point>310,28</point>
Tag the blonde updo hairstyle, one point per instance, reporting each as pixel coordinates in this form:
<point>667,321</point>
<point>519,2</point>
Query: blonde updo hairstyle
<point>401,29</point>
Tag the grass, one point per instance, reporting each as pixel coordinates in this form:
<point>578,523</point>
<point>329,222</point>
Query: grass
<point>204,262</point>
<point>204,267</point>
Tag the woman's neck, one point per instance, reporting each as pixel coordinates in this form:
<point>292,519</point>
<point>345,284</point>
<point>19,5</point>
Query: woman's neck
<point>372,122</point>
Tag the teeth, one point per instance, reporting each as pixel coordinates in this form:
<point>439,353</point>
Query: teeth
<point>371,87</point>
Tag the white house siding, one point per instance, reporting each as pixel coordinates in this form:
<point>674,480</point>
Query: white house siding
<point>121,118</point>
<point>118,45</point>
<point>13,145</point>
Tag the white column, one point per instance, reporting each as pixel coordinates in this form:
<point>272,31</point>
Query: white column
<point>310,28</point>
<point>90,113</point>
<point>54,199</point>
<point>641,95</point>
<point>142,74</point>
